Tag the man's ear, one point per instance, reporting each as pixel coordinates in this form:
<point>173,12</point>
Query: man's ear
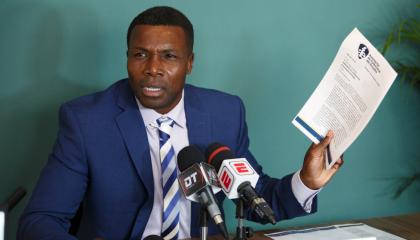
<point>190,63</point>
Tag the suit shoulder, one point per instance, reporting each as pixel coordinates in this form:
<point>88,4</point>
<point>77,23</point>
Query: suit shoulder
<point>97,101</point>
<point>213,96</point>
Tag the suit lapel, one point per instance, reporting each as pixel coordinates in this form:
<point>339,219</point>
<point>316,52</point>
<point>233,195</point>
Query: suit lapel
<point>199,133</point>
<point>198,120</point>
<point>134,134</point>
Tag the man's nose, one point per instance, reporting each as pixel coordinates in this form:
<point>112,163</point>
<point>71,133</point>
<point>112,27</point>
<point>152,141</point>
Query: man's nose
<point>153,67</point>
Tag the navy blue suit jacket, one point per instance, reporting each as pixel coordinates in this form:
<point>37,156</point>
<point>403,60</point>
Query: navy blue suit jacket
<point>101,159</point>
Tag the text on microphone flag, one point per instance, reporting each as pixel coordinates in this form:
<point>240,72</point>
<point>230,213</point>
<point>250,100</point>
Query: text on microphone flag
<point>226,179</point>
<point>242,168</point>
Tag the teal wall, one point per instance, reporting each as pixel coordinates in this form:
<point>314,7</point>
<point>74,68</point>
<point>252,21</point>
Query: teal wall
<point>271,53</point>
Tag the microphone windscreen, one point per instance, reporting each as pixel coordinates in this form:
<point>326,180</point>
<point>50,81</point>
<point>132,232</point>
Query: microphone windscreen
<point>188,156</point>
<point>216,153</point>
<point>153,237</point>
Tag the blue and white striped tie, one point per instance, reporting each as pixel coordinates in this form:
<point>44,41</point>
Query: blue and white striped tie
<point>171,194</point>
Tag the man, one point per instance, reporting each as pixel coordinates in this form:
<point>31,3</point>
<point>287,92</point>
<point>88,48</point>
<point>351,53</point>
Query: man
<point>111,154</point>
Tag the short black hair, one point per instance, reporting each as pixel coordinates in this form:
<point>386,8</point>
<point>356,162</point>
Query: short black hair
<point>166,16</point>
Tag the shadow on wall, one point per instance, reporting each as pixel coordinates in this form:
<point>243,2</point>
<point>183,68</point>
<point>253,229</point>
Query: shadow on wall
<point>29,117</point>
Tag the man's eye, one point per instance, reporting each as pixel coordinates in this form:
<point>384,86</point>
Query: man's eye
<point>170,56</point>
<point>139,55</point>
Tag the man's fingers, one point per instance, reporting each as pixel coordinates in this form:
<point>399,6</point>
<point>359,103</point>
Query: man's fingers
<point>333,170</point>
<point>338,164</point>
<point>324,143</point>
<point>319,148</point>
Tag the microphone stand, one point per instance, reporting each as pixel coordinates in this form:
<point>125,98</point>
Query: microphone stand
<point>203,223</point>
<point>242,232</point>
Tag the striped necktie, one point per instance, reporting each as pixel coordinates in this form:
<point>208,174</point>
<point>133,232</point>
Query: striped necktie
<point>171,194</point>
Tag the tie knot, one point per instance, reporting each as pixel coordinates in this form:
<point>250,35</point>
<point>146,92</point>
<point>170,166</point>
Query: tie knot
<point>165,121</point>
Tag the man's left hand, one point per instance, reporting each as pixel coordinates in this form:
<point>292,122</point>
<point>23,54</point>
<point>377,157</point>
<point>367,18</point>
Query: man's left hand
<point>314,174</point>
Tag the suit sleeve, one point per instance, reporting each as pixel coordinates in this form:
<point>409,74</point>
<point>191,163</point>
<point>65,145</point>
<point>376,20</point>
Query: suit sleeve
<point>277,192</point>
<point>61,185</point>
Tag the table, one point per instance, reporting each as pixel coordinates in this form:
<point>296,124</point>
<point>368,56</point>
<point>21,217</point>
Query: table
<point>405,226</point>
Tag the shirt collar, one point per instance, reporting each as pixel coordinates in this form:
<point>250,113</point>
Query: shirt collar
<point>177,114</point>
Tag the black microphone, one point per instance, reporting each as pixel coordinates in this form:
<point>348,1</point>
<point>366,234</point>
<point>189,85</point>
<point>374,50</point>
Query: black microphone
<point>13,199</point>
<point>196,180</point>
<point>8,205</point>
<point>238,179</point>
<point>153,237</point>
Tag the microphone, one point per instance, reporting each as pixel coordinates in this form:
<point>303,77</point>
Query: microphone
<point>153,237</point>
<point>197,179</point>
<point>8,205</point>
<point>13,199</point>
<point>238,179</point>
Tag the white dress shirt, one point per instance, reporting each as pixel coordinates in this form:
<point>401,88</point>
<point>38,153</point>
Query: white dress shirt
<point>179,138</point>
<point>302,193</point>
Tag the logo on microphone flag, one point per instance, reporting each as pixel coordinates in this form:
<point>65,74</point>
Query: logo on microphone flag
<point>197,177</point>
<point>190,180</point>
<point>226,179</point>
<point>242,168</point>
<point>233,172</point>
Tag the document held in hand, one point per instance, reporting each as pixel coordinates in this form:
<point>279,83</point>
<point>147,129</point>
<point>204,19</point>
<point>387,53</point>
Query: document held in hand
<point>348,95</point>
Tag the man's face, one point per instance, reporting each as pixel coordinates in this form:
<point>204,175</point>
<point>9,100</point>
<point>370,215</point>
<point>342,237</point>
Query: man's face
<point>158,61</point>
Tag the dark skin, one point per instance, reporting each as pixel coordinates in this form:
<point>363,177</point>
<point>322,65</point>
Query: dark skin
<point>314,174</point>
<point>158,61</point>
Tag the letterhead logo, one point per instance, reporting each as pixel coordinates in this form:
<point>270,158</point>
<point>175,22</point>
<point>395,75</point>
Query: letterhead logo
<point>226,179</point>
<point>363,51</point>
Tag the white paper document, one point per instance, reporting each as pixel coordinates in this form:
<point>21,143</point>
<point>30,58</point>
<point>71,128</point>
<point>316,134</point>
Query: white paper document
<point>347,96</point>
<point>354,231</point>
